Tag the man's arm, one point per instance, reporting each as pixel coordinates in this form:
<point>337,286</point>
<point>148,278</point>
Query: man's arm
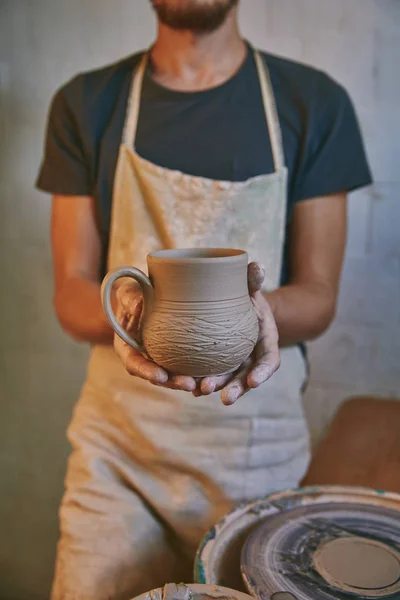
<point>77,255</point>
<point>305,307</point>
<point>76,259</point>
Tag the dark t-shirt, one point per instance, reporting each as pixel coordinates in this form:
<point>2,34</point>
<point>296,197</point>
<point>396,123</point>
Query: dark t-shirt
<point>219,133</point>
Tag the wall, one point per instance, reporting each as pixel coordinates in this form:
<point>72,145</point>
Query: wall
<point>44,42</point>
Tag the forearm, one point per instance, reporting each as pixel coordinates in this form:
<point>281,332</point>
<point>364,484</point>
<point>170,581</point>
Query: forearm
<point>302,311</point>
<point>80,312</point>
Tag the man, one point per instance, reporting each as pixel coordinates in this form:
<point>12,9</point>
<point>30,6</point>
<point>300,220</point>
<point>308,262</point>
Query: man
<point>199,142</point>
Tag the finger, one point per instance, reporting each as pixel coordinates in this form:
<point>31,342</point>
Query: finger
<point>236,388</point>
<point>267,361</point>
<point>208,385</point>
<point>139,366</point>
<point>261,373</point>
<point>182,382</point>
<point>255,277</point>
<point>197,392</point>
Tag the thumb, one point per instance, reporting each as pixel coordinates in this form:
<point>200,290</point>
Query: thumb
<point>129,307</point>
<point>255,277</point>
<point>129,298</point>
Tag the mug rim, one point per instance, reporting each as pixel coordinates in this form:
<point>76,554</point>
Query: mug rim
<point>198,255</point>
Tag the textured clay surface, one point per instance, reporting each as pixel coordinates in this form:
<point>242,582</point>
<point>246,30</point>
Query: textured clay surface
<point>189,339</point>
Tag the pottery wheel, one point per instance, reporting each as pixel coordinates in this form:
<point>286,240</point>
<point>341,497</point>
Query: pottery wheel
<point>325,551</point>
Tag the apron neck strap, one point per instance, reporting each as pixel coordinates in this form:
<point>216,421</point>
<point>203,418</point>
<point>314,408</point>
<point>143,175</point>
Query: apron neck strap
<point>271,113</point>
<point>133,106</point>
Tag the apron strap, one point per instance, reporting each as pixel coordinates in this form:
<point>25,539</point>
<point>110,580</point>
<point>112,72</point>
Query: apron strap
<point>271,112</point>
<point>133,106</point>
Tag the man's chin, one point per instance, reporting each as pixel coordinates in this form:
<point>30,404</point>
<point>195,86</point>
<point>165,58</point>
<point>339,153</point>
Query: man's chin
<point>193,15</point>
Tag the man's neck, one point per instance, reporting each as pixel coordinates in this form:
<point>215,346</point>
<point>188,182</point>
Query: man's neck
<point>184,61</point>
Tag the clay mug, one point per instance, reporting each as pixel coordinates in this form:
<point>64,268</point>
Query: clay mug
<point>197,317</point>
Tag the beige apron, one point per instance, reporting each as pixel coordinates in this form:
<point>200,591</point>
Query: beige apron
<point>152,469</point>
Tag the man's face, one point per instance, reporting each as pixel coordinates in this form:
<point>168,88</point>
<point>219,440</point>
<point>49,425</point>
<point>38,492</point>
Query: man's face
<point>198,16</point>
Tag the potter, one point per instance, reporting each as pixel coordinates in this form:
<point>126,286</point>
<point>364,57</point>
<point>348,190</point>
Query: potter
<point>199,142</point>
<point>198,318</point>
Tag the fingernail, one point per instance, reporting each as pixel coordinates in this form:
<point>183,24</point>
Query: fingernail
<point>184,384</point>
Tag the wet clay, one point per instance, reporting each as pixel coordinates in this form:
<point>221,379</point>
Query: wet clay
<point>172,591</point>
<point>183,592</point>
<point>180,591</point>
<point>354,563</point>
<point>201,320</point>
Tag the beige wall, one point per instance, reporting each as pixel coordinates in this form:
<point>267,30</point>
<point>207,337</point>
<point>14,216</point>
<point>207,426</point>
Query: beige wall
<point>44,42</point>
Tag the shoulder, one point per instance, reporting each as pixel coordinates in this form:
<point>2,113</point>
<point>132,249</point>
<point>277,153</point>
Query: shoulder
<point>91,90</point>
<point>311,88</point>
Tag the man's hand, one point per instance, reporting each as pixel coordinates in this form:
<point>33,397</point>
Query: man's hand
<point>263,362</point>
<point>265,359</point>
<point>128,309</point>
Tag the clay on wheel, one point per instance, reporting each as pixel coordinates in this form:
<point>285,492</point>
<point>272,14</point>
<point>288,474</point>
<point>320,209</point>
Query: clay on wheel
<point>352,563</point>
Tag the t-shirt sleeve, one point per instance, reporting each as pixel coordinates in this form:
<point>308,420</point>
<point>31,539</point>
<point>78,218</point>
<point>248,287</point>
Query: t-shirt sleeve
<point>335,159</point>
<point>64,168</point>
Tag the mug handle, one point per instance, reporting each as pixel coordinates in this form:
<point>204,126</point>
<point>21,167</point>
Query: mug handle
<point>106,289</point>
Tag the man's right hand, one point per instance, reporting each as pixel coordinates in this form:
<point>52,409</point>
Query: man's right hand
<point>128,309</point>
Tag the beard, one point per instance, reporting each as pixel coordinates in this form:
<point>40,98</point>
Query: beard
<point>198,16</point>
